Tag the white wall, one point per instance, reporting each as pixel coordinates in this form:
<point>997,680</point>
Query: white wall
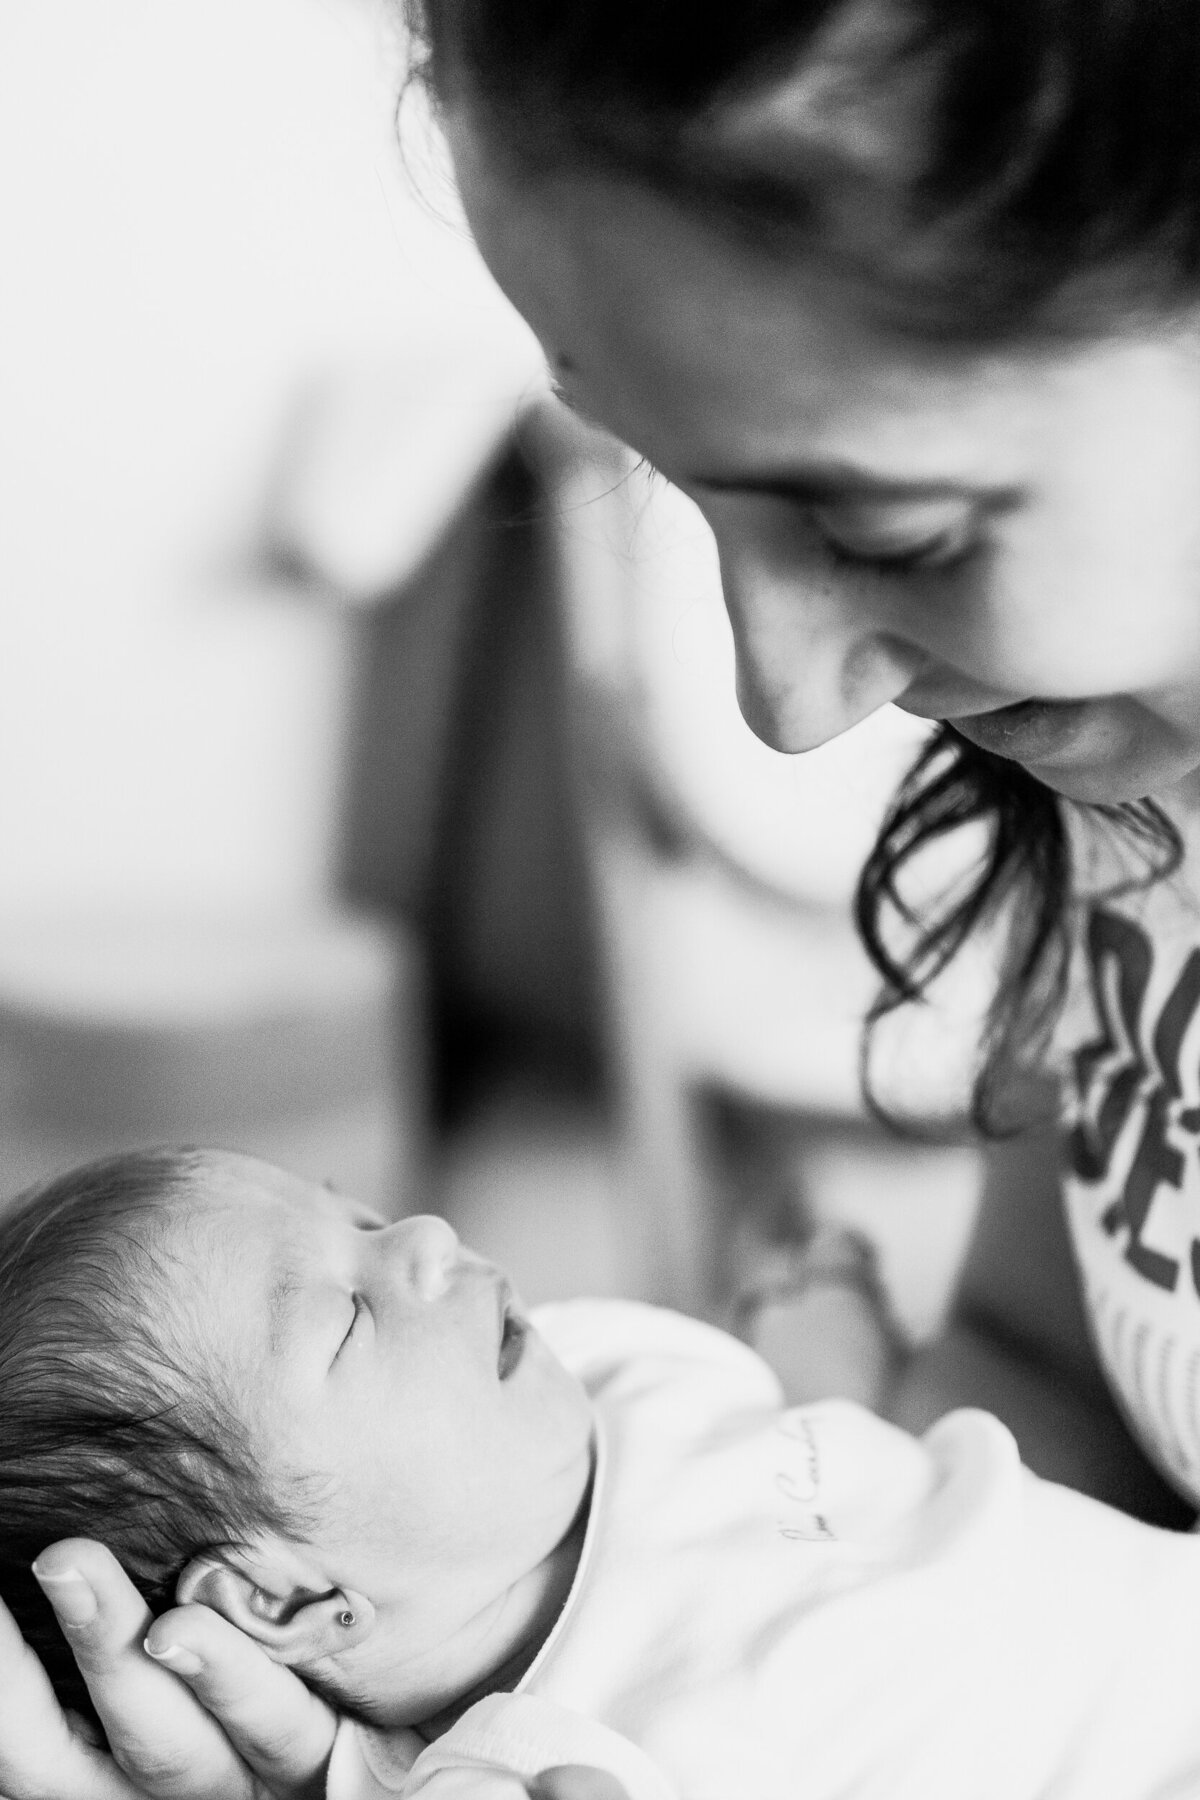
<point>201,207</point>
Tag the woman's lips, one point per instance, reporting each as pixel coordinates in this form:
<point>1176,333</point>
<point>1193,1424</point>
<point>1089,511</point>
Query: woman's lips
<point>1047,732</point>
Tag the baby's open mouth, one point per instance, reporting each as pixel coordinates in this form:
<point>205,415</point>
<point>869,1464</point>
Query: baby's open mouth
<point>513,1332</point>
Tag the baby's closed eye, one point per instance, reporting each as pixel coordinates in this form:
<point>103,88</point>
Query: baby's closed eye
<point>358,1311</point>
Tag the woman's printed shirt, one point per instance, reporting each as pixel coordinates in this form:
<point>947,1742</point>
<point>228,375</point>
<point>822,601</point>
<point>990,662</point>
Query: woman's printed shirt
<point>1131,1043</point>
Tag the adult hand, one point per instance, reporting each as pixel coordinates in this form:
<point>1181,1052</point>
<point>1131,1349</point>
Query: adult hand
<point>215,1720</point>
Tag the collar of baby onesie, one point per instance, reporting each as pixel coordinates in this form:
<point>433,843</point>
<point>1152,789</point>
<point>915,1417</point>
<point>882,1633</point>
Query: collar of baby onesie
<point>586,1554</point>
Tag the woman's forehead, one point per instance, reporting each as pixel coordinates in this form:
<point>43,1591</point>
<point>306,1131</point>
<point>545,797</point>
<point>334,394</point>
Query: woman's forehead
<point>713,360</point>
<point>666,330</point>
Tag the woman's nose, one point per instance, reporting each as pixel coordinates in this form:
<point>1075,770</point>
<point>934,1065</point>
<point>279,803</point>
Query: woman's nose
<point>430,1249</point>
<point>809,664</point>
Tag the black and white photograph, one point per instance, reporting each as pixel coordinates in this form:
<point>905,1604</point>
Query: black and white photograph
<point>600,900</point>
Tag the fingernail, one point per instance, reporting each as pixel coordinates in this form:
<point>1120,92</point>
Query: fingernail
<point>183,1662</point>
<point>69,1595</point>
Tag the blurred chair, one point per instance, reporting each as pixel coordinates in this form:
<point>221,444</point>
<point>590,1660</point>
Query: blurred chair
<point>189,600</point>
<point>297,1030</point>
<point>722,874</point>
<point>408,502</point>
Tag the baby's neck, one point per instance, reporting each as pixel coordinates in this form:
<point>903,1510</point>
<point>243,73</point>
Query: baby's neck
<point>490,1656</point>
<point>531,1610</point>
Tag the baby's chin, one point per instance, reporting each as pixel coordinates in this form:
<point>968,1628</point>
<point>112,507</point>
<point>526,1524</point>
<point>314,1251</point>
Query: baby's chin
<point>563,1405</point>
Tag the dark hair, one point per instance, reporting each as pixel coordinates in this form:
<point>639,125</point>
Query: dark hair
<point>103,1432</point>
<point>1049,183</point>
<point>1023,878</point>
<point>1053,139</point>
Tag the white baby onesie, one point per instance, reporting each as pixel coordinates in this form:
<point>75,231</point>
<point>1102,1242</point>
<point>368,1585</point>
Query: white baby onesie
<point>809,1604</point>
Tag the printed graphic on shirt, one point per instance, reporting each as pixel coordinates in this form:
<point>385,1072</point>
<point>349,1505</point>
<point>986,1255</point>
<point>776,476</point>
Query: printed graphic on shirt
<point>1133,1188</point>
<point>798,1478</point>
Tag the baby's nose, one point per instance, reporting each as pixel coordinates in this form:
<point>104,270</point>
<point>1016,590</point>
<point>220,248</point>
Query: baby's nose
<point>433,1252</point>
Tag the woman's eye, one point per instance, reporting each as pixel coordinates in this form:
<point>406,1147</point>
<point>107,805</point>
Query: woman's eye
<point>919,541</point>
<point>938,553</point>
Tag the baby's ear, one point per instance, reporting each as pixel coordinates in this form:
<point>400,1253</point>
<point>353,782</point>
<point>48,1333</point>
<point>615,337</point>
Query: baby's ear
<point>268,1592</point>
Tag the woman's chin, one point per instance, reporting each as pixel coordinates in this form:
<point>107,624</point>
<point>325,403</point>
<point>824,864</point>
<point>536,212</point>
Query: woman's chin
<point>1095,787</point>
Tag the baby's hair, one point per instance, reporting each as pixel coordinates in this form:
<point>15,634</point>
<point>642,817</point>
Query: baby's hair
<point>103,1431</point>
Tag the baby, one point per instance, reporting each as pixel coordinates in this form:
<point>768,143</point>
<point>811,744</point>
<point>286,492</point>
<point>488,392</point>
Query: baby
<point>600,1538</point>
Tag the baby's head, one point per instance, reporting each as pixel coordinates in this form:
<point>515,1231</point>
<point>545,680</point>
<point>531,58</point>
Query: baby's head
<point>341,1435</point>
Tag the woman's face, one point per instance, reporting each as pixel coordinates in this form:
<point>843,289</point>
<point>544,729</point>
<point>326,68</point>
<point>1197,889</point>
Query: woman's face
<point>1006,539</point>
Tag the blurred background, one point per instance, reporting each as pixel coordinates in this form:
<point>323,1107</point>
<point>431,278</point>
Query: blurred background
<point>372,790</point>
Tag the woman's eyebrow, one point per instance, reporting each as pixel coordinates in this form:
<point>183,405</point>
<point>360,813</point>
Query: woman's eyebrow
<point>815,482</point>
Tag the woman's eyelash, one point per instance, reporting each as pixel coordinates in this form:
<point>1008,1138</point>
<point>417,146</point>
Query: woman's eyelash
<point>938,555</point>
